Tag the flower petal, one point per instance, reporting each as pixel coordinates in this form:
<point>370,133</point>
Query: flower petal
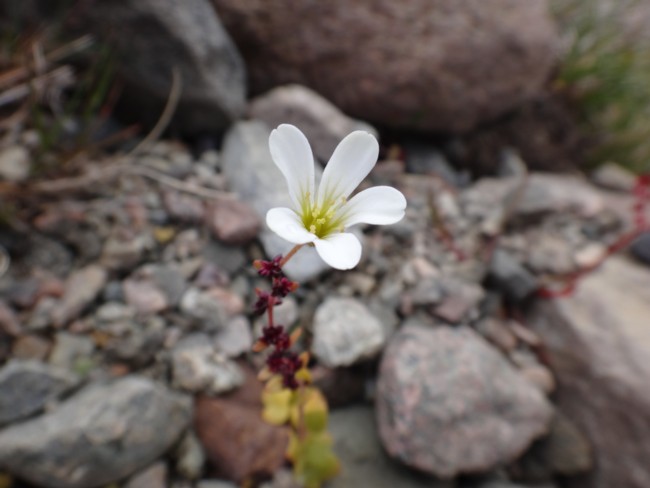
<point>287,224</point>
<point>351,162</point>
<point>380,205</point>
<point>340,251</point>
<point>292,154</point>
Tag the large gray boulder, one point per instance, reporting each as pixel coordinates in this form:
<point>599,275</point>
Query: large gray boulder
<point>101,435</point>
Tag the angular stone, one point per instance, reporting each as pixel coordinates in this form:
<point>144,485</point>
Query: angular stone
<point>323,124</point>
<point>232,221</point>
<point>188,38</point>
<point>345,332</point>
<point>81,288</point>
<point>183,207</point>
<point>251,173</point>
<point>27,387</point>
<point>205,309</point>
<point>446,83</point>
<point>101,435</point>
<point>598,344</point>
<point>70,349</point>
<point>459,299</point>
<point>448,403</point>
<point>196,367</point>
<point>515,281</point>
<point>14,164</point>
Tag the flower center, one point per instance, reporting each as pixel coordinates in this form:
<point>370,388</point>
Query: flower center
<point>323,220</point>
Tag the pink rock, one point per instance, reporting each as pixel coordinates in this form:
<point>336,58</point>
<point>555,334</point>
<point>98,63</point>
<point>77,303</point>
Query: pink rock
<point>232,221</point>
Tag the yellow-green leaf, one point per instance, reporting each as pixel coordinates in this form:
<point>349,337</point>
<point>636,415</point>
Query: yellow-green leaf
<point>277,406</point>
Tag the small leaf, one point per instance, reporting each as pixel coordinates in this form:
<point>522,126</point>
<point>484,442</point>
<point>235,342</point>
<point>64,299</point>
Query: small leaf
<point>277,406</point>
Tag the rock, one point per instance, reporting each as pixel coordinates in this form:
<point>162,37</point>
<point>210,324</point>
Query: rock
<point>232,221</point>
<point>459,299</point>
<point>447,83</point>
<point>27,387</point>
<point>564,451</point>
<point>103,434</point>
<point>323,124</point>
<point>183,207</point>
<point>509,276</point>
<point>189,39</point>
<point>432,384</point>
<point>597,343</point>
<point>345,332</point>
<point>422,158</point>
<point>15,164</point>
<point>190,457</point>
<point>540,376</point>
<point>168,278</point>
<point>640,248</point>
<point>31,347</point>
<point>70,350</point>
<point>228,258</point>
<point>205,309</point>
<point>81,288</point>
<point>196,367</point>
<point>251,173</point>
<point>124,252</point>
<point>155,476</point>
<point>550,254</point>
<point>144,295</point>
<point>364,463</point>
<point>498,333</point>
<point>8,320</point>
<point>557,193</point>
<point>611,176</point>
<point>543,194</point>
<point>237,442</point>
<point>235,338</point>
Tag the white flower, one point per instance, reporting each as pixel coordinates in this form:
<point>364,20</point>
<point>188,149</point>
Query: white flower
<point>321,217</point>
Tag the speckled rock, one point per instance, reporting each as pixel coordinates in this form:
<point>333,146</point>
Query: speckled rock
<point>448,403</point>
<point>345,332</point>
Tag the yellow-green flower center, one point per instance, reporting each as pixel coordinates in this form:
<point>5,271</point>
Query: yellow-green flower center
<point>322,220</point>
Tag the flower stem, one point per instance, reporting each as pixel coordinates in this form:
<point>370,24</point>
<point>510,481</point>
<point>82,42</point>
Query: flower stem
<point>290,254</point>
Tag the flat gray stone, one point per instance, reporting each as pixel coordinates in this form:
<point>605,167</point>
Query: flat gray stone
<point>346,332</point>
<point>101,435</point>
<point>26,387</point>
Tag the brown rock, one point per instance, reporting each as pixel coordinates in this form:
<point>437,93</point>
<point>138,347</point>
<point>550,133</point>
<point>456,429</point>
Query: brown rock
<point>449,80</point>
<point>237,442</point>
<point>232,221</point>
<point>31,347</point>
<point>598,344</point>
